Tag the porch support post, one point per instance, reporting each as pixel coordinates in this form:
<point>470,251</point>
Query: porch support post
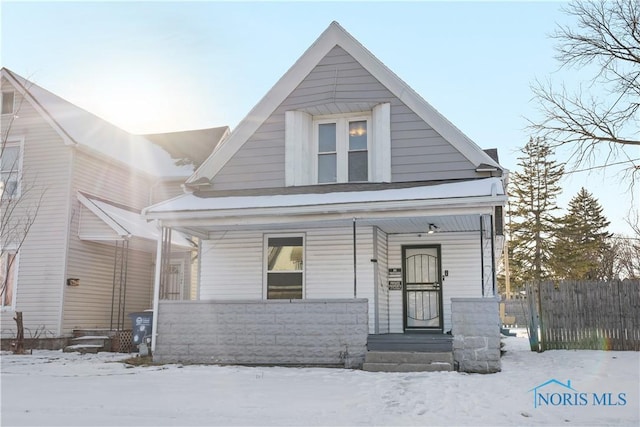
<point>156,287</point>
<point>482,254</point>
<point>355,274</point>
<point>493,256</point>
<point>376,280</point>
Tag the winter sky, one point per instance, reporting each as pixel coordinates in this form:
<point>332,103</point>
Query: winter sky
<point>152,67</point>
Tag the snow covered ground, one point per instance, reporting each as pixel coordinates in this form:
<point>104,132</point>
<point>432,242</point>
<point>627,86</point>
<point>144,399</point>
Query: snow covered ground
<point>51,388</point>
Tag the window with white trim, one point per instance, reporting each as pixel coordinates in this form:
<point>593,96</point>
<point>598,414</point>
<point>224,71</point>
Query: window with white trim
<point>353,147</point>
<point>8,98</point>
<point>10,166</point>
<point>8,267</point>
<point>284,261</point>
<point>343,149</point>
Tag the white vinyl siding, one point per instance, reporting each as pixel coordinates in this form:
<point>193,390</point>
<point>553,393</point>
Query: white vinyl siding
<point>460,255</point>
<point>340,85</point>
<point>110,180</point>
<point>89,304</point>
<point>52,252</point>
<point>46,162</point>
<point>232,265</point>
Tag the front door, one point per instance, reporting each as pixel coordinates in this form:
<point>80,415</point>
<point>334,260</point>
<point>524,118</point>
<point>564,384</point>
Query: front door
<point>422,288</point>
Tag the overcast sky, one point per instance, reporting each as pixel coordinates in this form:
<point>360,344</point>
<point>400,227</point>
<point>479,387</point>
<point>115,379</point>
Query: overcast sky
<point>152,67</point>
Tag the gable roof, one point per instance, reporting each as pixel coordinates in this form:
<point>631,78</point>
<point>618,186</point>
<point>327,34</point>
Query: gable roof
<point>79,127</point>
<point>333,36</point>
<point>190,147</point>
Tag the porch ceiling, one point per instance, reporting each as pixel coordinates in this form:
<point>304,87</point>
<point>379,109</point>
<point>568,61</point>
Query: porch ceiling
<point>391,225</point>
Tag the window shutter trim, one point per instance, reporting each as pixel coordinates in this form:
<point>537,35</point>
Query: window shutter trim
<point>298,139</point>
<point>381,117</point>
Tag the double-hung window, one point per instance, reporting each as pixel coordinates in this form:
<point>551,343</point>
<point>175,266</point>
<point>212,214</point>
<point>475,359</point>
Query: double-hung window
<point>285,266</point>
<point>343,149</point>
<point>8,266</point>
<point>10,165</point>
<point>349,147</point>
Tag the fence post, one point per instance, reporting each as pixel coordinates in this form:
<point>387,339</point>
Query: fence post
<point>541,346</point>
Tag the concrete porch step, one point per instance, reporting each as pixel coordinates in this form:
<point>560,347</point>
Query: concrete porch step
<point>407,367</point>
<point>77,333</point>
<point>83,348</point>
<point>85,342</point>
<point>403,361</point>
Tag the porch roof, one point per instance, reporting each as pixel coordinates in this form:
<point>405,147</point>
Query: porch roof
<point>111,223</point>
<point>453,200</point>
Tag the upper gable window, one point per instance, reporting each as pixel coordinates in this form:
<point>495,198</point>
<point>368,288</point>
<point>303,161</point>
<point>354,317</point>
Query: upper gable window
<point>353,147</point>
<point>7,102</point>
<point>343,149</point>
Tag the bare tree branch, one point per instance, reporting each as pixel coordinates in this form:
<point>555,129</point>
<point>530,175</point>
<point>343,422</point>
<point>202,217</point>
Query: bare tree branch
<point>606,37</point>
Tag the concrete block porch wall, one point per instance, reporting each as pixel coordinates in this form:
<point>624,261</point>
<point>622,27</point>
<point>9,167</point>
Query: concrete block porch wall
<point>476,334</point>
<point>263,332</point>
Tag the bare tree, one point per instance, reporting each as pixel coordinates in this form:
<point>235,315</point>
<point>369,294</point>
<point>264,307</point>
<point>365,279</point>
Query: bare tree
<point>605,128</point>
<point>20,201</point>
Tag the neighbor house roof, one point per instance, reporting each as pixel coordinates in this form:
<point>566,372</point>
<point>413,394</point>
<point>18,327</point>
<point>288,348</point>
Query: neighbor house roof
<point>81,128</point>
<point>190,147</point>
<point>332,36</point>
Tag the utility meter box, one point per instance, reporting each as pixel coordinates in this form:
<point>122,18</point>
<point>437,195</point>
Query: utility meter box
<point>141,326</point>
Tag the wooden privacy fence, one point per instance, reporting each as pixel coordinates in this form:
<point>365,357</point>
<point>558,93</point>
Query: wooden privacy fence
<point>585,315</point>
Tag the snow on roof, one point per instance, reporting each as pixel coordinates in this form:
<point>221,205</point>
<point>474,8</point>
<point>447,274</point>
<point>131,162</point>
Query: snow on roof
<point>127,222</point>
<point>191,202</point>
<point>86,129</point>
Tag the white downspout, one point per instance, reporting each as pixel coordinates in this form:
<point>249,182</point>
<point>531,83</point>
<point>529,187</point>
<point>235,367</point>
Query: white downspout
<point>156,288</point>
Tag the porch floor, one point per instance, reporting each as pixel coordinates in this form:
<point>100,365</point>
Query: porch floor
<point>411,342</point>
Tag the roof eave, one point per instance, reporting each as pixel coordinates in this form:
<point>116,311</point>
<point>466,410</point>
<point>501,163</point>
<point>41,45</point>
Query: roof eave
<point>359,209</point>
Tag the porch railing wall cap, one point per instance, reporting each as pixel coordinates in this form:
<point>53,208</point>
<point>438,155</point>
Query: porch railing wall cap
<point>270,301</point>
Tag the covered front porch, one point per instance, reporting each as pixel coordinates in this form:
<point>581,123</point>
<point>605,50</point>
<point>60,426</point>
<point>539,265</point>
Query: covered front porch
<point>407,252</point>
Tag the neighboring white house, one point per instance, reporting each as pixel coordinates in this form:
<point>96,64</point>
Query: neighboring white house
<point>88,259</point>
<point>342,185</point>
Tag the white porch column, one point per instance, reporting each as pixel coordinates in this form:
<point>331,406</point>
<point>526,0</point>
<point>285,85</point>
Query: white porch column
<point>156,287</point>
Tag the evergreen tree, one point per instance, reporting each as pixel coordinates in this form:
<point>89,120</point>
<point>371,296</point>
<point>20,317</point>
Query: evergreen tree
<point>533,192</point>
<point>581,246</point>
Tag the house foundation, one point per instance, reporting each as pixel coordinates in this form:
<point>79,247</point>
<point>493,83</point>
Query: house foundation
<point>263,332</point>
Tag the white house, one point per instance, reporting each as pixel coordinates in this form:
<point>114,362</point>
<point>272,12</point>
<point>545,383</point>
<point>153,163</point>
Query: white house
<point>343,205</point>
<point>88,257</point>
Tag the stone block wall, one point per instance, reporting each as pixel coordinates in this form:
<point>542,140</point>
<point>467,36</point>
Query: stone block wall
<point>278,332</point>
<point>476,334</point>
